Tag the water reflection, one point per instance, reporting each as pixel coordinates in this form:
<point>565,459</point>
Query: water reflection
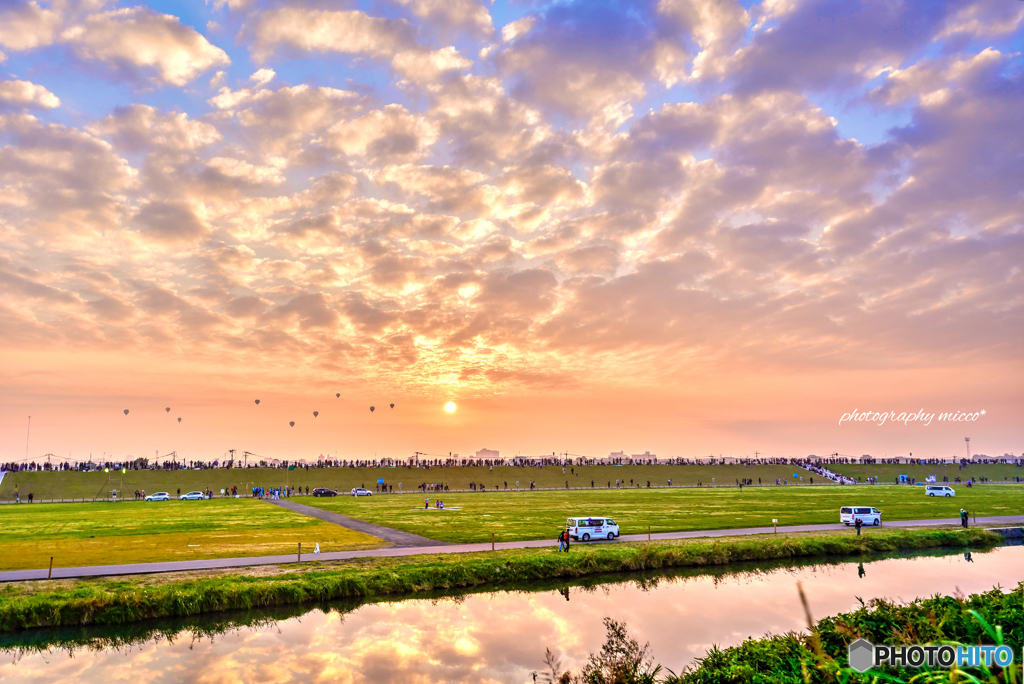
<point>490,637</point>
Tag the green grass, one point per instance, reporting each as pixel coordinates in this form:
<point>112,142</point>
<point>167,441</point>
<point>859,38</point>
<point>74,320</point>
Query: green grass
<point>107,601</point>
<point>73,485</point>
<point>137,532</point>
<point>822,657</point>
<point>539,515</point>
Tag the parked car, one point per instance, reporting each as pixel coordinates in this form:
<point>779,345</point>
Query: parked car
<point>585,529</point>
<point>868,516</point>
<point>323,491</point>
<point>359,491</point>
<point>159,496</point>
<point>939,490</point>
<point>192,496</point>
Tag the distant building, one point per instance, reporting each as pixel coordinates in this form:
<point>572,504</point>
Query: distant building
<point>617,454</point>
<point>646,456</point>
<point>487,453</point>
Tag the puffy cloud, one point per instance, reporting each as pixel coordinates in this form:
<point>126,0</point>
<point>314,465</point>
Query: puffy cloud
<point>388,134</point>
<point>25,94</point>
<point>519,27</point>
<point>425,67</point>
<point>469,15</point>
<point>141,127</point>
<point>348,31</point>
<point>26,25</point>
<point>136,40</point>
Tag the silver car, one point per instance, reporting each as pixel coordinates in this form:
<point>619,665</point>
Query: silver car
<point>192,496</point>
<point>360,491</point>
<point>159,496</point>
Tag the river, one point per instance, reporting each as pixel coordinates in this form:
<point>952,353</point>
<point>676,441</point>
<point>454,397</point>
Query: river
<point>498,636</point>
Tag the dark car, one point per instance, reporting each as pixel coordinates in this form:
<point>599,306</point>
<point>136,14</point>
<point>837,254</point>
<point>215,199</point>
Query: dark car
<point>323,491</point>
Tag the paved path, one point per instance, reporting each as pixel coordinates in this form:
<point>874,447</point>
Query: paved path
<point>438,548</point>
<point>388,534</point>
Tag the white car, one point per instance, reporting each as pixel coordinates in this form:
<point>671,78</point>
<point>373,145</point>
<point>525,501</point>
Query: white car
<point>939,490</point>
<point>159,496</point>
<point>868,516</point>
<point>192,496</point>
<point>585,529</point>
<point>360,491</point>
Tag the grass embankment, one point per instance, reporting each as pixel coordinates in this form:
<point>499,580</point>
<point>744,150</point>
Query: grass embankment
<point>74,485</point>
<point>474,517</point>
<point>140,532</point>
<point>795,657</point>
<point>889,473</point>
<point>122,601</point>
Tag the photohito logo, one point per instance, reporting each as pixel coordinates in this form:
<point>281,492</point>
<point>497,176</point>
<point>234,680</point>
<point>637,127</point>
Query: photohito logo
<point>864,655</point>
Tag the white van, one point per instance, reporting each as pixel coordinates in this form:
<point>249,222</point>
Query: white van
<point>585,529</point>
<point>868,516</point>
<point>939,490</point>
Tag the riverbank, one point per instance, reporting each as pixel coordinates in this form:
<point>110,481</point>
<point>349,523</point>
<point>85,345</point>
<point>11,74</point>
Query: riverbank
<point>821,654</point>
<point>107,601</point>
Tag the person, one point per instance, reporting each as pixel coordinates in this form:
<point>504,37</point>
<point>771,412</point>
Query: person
<point>561,540</point>
<point>963,518</point>
<point>179,491</point>
<point>860,570</point>
<point>426,503</point>
<point>30,495</point>
<point>968,557</point>
<point>317,549</point>
<point>858,523</point>
<point>17,496</point>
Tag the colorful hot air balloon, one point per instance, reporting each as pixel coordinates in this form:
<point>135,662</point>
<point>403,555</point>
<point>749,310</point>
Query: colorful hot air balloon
<point>126,412</point>
<point>371,410</point>
<point>316,413</point>
<point>392,406</point>
<point>179,420</point>
<point>292,423</point>
<point>257,402</point>
<point>168,409</point>
<point>338,395</point>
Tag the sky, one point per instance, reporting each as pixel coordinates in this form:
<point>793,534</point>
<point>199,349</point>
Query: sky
<point>689,227</point>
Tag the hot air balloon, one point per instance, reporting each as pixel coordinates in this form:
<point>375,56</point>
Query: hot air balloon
<point>257,402</point>
<point>316,413</point>
<point>292,423</point>
<point>168,409</point>
<point>338,395</point>
<point>371,410</point>
<point>126,412</point>
<point>179,420</point>
<point>392,406</point>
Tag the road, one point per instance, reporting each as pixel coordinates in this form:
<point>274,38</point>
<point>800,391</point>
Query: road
<point>439,548</point>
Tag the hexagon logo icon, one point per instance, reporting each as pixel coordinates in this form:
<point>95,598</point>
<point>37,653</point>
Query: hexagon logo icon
<point>861,655</point>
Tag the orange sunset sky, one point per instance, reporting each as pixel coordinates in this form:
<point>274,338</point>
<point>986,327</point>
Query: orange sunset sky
<point>688,227</point>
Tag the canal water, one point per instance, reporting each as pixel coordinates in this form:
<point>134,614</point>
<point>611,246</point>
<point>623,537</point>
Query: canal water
<point>499,636</point>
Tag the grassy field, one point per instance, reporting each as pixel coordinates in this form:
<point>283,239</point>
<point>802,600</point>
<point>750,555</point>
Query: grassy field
<point>113,601</point>
<point>74,485</point>
<point>474,517</point>
<point>889,473</point>
<point>139,532</point>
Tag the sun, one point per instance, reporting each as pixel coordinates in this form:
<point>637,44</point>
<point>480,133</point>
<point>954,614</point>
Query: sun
<point>450,406</point>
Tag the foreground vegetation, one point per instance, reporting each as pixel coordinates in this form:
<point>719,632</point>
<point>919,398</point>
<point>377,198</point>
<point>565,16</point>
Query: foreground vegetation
<point>140,532</point>
<point>474,517</point>
<point>106,601</point>
<point>992,618</point>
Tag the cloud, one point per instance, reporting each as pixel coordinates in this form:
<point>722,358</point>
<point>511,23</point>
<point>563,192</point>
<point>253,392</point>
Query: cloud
<point>425,67</point>
<point>346,31</point>
<point>25,94</point>
<point>142,127</point>
<point>468,15</point>
<point>519,27</point>
<point>24,26</point>
<point>140,41</point>
<point>388,134</point>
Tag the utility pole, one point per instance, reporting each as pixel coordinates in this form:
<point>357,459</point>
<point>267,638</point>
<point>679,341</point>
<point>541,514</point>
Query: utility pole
<point>966,439</point>
<point>28,434</point>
